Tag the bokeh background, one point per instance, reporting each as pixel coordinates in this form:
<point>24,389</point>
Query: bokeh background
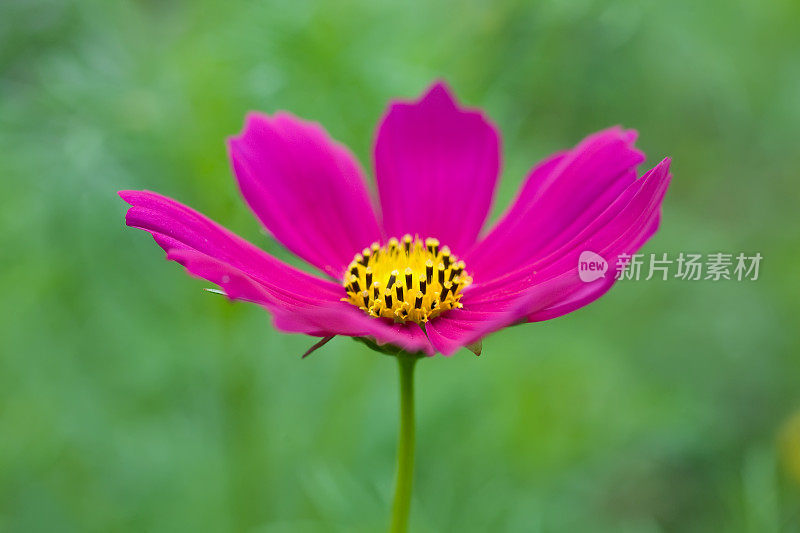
<point>132,400</point>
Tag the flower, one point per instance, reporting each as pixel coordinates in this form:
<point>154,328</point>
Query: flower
<point>412,270</point>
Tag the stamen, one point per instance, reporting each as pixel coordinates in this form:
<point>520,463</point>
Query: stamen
<point>407,243</point>
<point>401,276</point>
<point>447,287</point>
<point>446,256</point>
<point>432,245</point>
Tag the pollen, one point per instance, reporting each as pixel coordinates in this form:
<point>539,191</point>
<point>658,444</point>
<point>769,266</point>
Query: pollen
<point>406,280</point>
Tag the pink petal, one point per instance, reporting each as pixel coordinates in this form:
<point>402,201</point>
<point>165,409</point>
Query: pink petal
<point>306,189</point>
<point>436,166</point>
<point>320,318</point>
<point>589,292</point>
<point>551,286</point>
<point>176,226</point>
<point>559,198</point>
<point>299,302</point>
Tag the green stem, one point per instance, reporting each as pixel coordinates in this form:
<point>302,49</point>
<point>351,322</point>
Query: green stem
<point>405,446</point>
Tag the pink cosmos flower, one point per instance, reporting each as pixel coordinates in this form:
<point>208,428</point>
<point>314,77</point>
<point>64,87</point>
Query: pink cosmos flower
<point>411,269</point>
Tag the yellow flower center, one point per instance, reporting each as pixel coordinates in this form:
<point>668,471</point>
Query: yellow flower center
<point>406,280</point>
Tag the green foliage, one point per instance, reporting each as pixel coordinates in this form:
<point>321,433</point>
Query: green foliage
<point>131,400</point>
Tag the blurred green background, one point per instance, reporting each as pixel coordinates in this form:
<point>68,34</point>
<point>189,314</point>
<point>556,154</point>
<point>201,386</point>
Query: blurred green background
<point>131,400</point>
